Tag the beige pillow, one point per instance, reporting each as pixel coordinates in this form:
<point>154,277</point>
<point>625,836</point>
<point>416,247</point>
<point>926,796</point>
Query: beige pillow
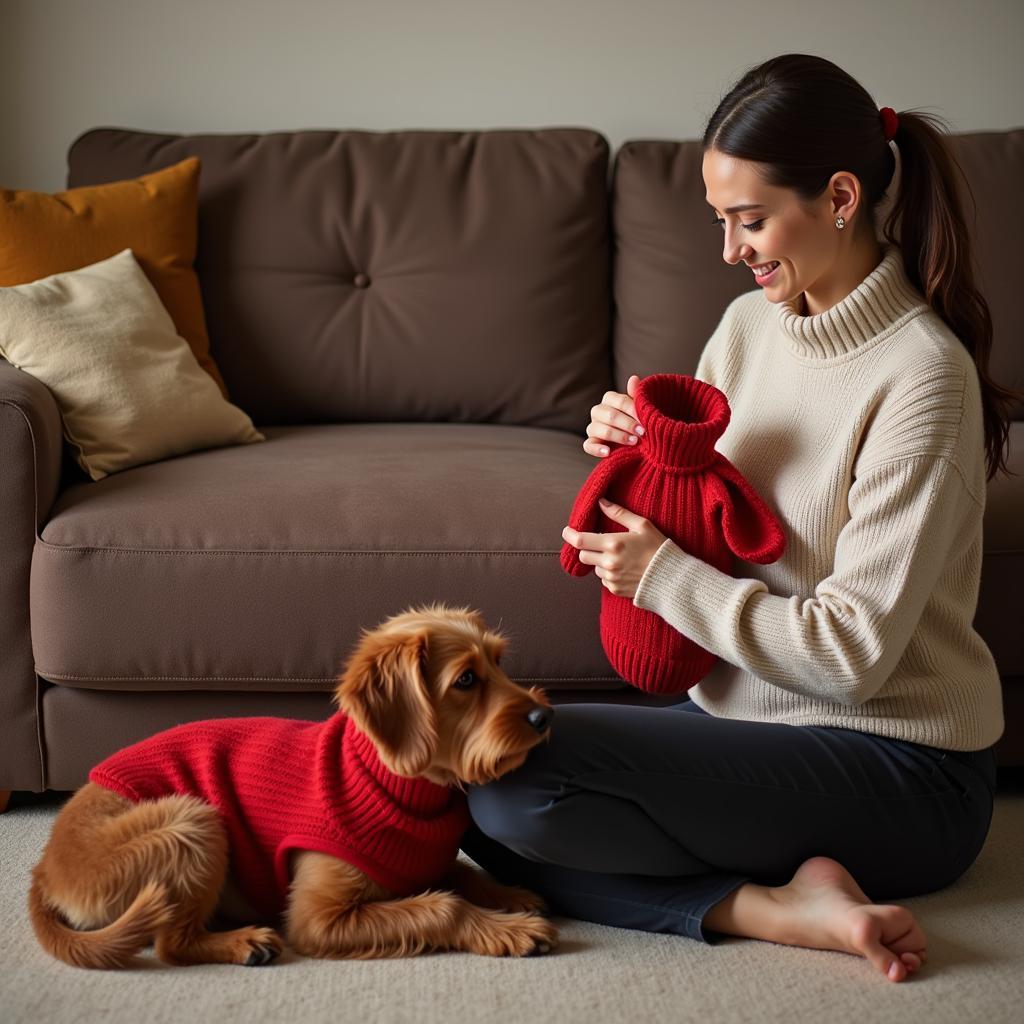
<point>128,387</point>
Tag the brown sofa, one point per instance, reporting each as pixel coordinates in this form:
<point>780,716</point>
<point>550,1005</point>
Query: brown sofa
<point>419,322</point>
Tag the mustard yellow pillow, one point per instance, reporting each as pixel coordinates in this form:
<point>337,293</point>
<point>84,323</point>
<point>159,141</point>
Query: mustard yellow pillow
<point>155,215</point>
<point>127,384</point>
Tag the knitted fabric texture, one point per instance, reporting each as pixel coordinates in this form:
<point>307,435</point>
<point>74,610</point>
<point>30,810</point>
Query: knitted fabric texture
<point>695,496</point>
<point>283,784</point>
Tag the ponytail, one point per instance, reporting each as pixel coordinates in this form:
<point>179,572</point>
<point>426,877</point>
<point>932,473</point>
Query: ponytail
<point>928,216</point>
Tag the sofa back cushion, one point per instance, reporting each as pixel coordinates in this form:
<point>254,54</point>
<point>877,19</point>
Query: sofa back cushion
<point>672,285</point>
<point>382,276</point>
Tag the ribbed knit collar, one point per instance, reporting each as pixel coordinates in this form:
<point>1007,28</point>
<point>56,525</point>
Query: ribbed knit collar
<point>884,299</point>
<point>347,750</point>
<point>682,418</point>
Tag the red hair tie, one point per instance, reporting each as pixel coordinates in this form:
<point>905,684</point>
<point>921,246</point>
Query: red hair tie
<point>890,122</point>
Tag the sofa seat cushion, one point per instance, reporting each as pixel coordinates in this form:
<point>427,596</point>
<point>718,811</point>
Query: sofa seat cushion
<point>255,567</point>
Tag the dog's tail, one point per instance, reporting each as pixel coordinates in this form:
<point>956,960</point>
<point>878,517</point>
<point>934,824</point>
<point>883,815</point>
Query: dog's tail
<point>112,946</point>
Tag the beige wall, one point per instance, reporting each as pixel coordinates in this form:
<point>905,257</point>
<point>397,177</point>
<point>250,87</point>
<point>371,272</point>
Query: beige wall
<point>628,68</point>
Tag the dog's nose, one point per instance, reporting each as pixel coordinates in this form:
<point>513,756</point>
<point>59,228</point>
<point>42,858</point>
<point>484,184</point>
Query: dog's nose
<point>540,718</point>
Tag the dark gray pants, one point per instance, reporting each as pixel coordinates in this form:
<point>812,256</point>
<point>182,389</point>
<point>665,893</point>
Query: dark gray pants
<point>647,817</point>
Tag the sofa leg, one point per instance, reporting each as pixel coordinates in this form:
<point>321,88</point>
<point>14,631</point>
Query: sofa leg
<point>5,795</point>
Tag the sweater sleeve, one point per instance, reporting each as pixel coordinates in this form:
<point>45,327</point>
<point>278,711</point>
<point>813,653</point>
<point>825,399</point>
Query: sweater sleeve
<point>907,517</point>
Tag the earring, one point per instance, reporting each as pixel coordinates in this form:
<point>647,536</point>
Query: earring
<point>840,223</point>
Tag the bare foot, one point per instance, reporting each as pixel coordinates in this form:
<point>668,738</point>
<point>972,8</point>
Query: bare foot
<point>822,907</point>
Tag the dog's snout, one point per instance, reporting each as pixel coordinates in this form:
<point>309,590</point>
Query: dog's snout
<point>540,718</point>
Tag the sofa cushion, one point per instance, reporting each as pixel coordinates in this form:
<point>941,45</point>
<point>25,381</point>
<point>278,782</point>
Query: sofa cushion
<point>396,276</point>
<point>129,388</point>
<point>671,284</point>
<point>255,567</point>
<point>154,214</point>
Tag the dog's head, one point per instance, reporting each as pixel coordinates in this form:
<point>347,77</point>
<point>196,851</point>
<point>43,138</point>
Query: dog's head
<point>426,688</point>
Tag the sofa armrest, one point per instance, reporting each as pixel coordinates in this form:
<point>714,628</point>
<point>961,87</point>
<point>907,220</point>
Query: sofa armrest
<point>30,445</point>
<point>30,469</point>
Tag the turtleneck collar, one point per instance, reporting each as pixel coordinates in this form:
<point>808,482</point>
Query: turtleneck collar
<point>360,765</point>
<point>682,418</point>
<point>885,299</point>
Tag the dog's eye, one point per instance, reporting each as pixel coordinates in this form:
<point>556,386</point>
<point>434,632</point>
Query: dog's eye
<point>466,681</point>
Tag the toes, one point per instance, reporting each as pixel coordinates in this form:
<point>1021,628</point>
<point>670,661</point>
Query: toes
<point>904,937</point>
<point>262,955</point>
<point>890,938</point>
<point>912,961</point>
<point>908,943</point>
<point>865,936</point>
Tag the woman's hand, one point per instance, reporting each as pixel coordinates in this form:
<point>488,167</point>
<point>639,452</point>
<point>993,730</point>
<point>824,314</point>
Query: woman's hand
<point>619,559</point>
<point>613,420</point>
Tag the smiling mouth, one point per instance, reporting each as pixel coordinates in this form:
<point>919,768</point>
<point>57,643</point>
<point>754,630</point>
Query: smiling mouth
<point>767,277</point>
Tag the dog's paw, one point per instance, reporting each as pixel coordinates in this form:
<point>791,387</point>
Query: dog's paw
<point>250,946</point>
<point>516,899</point>
<point>519,934</point>
<point>264,945</point>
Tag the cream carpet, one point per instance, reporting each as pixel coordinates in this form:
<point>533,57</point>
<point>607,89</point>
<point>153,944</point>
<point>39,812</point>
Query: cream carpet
<point>975,971</point>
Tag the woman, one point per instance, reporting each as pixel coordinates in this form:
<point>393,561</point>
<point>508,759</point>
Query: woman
<point>840,751</point>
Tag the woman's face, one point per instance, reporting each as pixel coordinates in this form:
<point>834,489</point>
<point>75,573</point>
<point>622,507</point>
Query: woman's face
<point>802,238</point>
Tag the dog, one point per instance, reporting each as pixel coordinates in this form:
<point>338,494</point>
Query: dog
<point>423,710</point>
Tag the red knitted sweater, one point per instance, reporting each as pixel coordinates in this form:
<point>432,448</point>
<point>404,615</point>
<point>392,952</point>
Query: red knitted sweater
<point>696,497</point>
<point>283,784</point>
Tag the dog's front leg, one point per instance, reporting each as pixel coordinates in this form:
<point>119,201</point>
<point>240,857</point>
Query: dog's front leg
<point>334,910</point>
<point>484,891</point>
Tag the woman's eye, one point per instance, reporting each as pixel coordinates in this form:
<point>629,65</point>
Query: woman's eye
<point>756,226</point>
<point>466,681</point>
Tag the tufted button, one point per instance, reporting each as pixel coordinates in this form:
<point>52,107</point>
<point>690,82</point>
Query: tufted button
<point>361,280</point>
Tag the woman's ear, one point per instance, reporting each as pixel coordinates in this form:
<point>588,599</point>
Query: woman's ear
<point>384,690</point>
<point>750,528</point>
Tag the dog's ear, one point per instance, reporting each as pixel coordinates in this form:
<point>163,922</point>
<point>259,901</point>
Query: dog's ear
<point>384,689</point>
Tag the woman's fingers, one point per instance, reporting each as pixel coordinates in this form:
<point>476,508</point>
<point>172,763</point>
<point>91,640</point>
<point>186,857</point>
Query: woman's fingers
<point>604,431</point>
<point>615,413</point>
<point>612,421</point>
<point>622,404</point>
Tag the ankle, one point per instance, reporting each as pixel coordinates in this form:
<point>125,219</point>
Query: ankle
<point>754,911</point>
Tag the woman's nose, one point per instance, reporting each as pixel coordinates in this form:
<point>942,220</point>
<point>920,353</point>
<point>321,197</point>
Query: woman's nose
<point>734,249</point>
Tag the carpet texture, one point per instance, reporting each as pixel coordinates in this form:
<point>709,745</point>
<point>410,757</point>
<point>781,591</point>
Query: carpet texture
<point>975,971</point>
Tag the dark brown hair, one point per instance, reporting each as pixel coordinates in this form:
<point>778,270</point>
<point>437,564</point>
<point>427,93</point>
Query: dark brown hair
<point>803,118</point>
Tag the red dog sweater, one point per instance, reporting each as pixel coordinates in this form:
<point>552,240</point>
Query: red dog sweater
<point>696,497</point>
<point>283,784</point>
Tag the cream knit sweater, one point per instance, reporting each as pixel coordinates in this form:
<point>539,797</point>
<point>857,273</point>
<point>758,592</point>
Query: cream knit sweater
<point>862,429</point>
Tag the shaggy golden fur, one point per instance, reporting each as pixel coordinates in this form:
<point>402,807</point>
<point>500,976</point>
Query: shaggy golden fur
<point>116,876</point>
